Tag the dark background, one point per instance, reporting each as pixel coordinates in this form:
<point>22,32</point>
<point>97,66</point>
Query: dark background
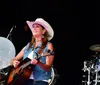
<point>72,39</point>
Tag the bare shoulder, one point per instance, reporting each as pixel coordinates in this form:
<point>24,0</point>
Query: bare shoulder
<point>50,46</point>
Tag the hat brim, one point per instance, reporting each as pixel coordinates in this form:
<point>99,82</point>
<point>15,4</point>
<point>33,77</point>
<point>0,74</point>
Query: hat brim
<point>45,25</point>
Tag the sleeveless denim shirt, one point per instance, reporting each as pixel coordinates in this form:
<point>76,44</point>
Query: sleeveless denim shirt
<point>38,73</point>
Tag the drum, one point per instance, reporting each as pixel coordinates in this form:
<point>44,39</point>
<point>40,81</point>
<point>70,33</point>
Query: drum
<point>7,52</point>
<point>54,76</point>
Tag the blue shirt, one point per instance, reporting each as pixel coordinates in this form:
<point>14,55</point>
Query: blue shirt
<point>38,72</point>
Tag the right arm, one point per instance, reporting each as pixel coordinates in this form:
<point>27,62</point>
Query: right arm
<point>15,61</point>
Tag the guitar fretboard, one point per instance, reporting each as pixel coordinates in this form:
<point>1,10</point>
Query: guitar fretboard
<point>26,64</point>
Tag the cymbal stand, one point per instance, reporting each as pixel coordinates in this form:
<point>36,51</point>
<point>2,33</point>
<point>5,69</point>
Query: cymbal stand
<point>88,82</point>
<point>87,69</point>
<point>84,76</point>
<point>96,75</point>
<point>2,71</point>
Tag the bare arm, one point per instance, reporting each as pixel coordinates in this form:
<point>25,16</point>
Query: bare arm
<point>17,57</point>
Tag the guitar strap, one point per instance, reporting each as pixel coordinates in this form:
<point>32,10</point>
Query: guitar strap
<point>38,51</point>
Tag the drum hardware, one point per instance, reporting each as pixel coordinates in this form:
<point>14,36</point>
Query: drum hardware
<point>86,68</point>
<point>92,67</point>
<point>54,76</point>
<point>2,77</point>
<point>2,72</point>
<point>96,75</point>
<point>2,82</point>
<point>88,81</point>
<point>91,71</point>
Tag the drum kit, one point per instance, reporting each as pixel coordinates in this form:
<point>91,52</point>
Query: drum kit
<point>91,69</point>
<point>7,52</point>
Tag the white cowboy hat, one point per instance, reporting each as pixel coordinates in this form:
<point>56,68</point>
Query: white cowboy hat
<point>45,24</point>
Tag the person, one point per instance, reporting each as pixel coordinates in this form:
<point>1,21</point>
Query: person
<point>40,50</point>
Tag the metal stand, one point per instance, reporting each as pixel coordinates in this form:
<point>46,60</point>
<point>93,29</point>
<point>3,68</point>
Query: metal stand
<point>10,33</point>
<point>88,82</point>
<point>2,74</point>
<point>96,76</point>
<point>87,69</point>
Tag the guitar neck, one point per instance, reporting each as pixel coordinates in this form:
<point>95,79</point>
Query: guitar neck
<point>26,64</point>
<point>29,62</point>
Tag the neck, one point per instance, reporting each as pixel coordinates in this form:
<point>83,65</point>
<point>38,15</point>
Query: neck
<point>38,40</point>
<point>37,43</point>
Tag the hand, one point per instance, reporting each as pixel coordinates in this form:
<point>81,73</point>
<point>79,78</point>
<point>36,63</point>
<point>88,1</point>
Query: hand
<point>34,61</point>
<point>15,63</point>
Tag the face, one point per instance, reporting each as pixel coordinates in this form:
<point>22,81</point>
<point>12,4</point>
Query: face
<point>37,30</point>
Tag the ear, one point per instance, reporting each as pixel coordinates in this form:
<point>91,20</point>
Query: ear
<point>44,30</point>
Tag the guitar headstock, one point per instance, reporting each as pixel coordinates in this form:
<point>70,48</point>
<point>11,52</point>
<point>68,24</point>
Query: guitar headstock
<point>47,53</point>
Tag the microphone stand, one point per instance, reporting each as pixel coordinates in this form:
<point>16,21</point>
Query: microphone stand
<point>10,33</point>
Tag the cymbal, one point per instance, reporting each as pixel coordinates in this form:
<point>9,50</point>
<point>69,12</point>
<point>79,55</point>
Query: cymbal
<point>95,47</point>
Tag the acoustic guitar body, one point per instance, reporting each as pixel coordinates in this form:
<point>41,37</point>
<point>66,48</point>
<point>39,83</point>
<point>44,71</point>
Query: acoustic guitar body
<point>19,75</point>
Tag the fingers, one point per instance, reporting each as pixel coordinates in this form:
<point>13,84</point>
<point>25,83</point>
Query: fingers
<point>34,61</point>
<point>16,63</point>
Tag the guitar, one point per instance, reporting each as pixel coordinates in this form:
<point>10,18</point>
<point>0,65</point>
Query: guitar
<point>18,76</point>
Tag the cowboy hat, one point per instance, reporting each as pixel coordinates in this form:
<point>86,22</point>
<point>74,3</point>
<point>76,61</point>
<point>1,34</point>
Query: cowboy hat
<point>45,24</point>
